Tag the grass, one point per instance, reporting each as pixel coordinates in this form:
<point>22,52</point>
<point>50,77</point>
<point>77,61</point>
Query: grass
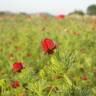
<point>59,74</point>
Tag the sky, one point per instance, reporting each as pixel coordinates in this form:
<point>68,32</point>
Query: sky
<point>53,7</point>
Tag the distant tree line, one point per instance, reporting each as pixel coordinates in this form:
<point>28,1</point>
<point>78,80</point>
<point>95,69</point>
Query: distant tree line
<point>91,10</point>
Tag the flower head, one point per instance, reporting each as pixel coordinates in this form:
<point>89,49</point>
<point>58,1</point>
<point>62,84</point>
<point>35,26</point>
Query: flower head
<point>15,84</point>
<point>17,67</point>
<point>60,17</point>
<point>48,46</point>
<point>84,78</point>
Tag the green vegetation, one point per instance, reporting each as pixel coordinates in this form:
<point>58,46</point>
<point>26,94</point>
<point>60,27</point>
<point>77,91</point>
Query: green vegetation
<point>78,12</point>
<point>70,71</point>
<point>91,10</point>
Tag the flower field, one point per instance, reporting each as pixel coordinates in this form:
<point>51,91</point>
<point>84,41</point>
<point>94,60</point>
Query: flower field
<point>44,55</point>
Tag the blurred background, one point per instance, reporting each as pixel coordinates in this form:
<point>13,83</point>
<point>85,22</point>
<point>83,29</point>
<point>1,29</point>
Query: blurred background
<point>53,7</point>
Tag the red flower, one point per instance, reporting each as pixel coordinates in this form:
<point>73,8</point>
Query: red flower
<point>17,67</point>
<point>84,78</point>
<point>60,17</point>
<point>15,84</point>
<point>48,46</point>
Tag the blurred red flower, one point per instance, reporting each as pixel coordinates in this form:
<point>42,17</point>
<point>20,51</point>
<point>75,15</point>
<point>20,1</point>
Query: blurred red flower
<point>15,84</point>
<point>84,78</point>
<point>60,17</point>
<point>17,67</point>
<point>48,46</point>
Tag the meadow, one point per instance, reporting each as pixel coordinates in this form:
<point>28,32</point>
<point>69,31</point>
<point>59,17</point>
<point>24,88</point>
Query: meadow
<point>69,71</point>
